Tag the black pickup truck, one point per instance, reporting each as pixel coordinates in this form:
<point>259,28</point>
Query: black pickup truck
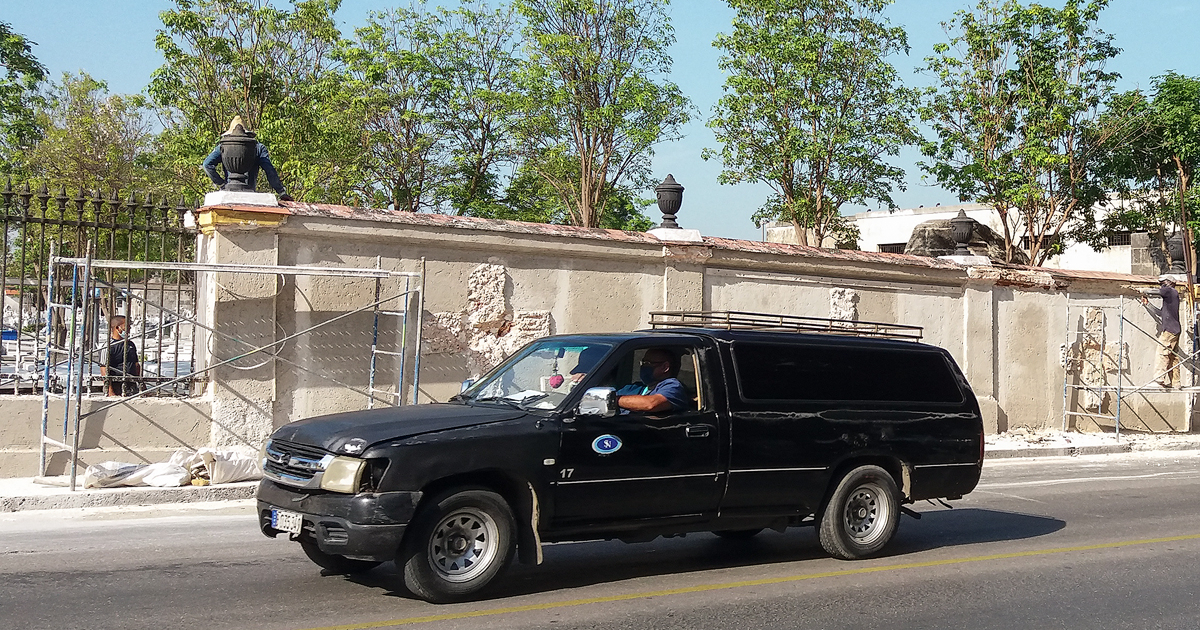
<point>783,428</point>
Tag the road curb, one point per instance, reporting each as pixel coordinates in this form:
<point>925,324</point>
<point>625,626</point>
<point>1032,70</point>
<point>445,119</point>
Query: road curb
<point>109,497</point>
<point>1075,451</point>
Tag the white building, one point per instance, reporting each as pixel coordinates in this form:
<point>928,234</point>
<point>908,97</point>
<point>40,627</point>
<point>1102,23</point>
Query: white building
<point>885,231</point>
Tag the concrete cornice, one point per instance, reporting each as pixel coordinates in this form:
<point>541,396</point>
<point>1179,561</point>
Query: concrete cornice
<point>519,236</point>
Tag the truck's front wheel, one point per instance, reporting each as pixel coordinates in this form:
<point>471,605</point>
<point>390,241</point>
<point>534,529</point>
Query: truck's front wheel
<point>458,543</point>
<point>862,514</point>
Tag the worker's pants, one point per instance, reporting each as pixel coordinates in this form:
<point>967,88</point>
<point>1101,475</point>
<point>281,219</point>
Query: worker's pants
<point>1166,368</point>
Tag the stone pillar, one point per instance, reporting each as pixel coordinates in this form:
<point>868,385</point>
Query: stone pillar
<point>979,350</point>
<point>683,277</point>
<point>241,305</point>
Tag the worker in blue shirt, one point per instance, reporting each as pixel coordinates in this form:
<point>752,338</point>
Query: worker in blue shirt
<point>658,390</point>
<point>264,162</point>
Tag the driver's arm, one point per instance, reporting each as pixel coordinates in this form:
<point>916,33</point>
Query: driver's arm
<point>650,403</point>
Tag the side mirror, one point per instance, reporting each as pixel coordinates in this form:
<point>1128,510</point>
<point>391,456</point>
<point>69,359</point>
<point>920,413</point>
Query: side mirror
<point>599,401</point>
<point>466,385</point>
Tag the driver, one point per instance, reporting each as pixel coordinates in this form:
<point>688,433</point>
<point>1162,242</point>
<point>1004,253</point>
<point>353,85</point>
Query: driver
<point>659,390</point>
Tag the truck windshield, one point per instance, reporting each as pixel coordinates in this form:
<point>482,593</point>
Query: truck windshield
<point>540,376</point>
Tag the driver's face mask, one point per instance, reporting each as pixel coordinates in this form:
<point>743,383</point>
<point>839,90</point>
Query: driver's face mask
<point>646,373</point>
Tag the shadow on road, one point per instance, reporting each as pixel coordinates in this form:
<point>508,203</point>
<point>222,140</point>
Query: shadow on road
<point>968,526</point>
<point>573,565</point>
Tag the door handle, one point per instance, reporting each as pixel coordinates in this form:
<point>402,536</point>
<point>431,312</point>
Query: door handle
<point>698,430</point>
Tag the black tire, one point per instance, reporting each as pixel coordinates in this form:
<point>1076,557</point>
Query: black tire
<point>335,563</point>
<point>457,545</point>
<point>738,534</point>
<point>862,514</point>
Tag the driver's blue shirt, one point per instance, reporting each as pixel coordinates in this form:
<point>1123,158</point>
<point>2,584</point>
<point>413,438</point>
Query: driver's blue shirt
<point>670,388</point>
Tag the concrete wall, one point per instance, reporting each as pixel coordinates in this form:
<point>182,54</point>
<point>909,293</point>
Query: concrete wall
<point>491,286</point>
<point>141,431</point>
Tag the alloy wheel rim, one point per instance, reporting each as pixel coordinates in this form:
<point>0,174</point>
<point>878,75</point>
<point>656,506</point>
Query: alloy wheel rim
<point>463,544</point>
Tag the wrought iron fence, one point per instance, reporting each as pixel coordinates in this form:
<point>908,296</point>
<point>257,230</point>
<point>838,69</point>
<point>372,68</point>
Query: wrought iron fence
<point>157,305</point>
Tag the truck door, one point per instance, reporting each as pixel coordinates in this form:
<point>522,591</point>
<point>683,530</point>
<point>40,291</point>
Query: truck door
<point>644,465</point>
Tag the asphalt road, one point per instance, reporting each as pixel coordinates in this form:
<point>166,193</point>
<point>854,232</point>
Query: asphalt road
<point>1090,542</point>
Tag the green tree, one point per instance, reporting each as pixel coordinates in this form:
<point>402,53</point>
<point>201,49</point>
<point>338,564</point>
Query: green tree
<point>93,140</point>
<point>481,66</point>
<point>1176,111</point>
<point>1152,164</point>
<point>19,97</point>
<point>812,108</point>
<point>529,197</point>
<point>269,65</point>
<point>592,91</point>
<point>398,87</point>
<point>1017,115</point>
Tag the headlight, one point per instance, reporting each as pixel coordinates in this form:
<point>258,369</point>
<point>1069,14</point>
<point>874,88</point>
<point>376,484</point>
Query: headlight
<point>343,474</point>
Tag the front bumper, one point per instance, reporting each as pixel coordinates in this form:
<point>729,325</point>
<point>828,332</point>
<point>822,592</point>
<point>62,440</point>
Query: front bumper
<point>365,525</point>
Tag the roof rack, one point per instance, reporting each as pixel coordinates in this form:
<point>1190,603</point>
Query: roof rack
<point>742,320</point>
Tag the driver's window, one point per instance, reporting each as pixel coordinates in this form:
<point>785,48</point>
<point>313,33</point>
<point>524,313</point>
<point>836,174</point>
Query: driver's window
<point>627,379</point>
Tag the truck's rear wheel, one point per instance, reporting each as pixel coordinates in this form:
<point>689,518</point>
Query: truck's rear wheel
<point>335,563</point>
<point>458,544</point>
<point>862,515</point>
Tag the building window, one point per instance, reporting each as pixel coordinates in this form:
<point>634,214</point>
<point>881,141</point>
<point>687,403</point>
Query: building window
<point>1120,238</point>
<point>892,248</point>
<point>1047,241</point>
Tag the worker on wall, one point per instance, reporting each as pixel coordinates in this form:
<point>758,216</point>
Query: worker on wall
<point>1166,367</point>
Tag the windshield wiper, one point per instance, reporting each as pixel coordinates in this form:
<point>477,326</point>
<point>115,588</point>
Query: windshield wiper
<point>508,400</point>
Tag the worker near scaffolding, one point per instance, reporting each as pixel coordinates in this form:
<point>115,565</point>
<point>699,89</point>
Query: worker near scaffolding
<point>122,369</point>
<point>1166,368</point>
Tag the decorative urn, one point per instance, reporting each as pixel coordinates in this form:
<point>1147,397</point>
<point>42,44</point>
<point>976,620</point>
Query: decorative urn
<point>670,197</point>
<point>239,156</point>
<point>1175,252</point>
<point>961,228</point>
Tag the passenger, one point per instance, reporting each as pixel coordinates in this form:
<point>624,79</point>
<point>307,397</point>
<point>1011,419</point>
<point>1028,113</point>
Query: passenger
<point>659,390</point>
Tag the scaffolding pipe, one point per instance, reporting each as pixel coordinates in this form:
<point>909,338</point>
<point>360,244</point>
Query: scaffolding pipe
<point>46,369</point>
<point>374,339</point>
<point>1120,359</point>
<point>70,357</point>
<point>420,321</point>
<point>347,272</point>
<point>87,274</point>
<point>76,363</point>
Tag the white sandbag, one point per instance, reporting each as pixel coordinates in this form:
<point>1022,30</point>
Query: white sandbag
<point>228,466</point>
<point>113,474</point>
<point>164,475</point>
<point>108,474</point>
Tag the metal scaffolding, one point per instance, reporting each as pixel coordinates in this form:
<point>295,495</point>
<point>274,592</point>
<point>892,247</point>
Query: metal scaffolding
<point>80,359</point>
<point>1104,360</point>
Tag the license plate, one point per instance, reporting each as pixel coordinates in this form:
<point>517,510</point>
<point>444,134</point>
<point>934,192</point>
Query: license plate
<point>285,521</point>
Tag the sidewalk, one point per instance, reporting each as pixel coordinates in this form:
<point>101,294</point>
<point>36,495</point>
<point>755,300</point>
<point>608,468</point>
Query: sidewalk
<point>21,494</point>
<point>1021,442</point>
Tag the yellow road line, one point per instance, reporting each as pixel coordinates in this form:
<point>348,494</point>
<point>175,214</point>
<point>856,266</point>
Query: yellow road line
<point>761,582</point>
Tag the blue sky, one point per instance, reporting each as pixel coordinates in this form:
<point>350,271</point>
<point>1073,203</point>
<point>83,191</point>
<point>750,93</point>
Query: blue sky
<point>114,41</point>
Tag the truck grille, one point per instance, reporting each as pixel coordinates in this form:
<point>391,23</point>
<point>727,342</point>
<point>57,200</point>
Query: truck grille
<point>294,463</point>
